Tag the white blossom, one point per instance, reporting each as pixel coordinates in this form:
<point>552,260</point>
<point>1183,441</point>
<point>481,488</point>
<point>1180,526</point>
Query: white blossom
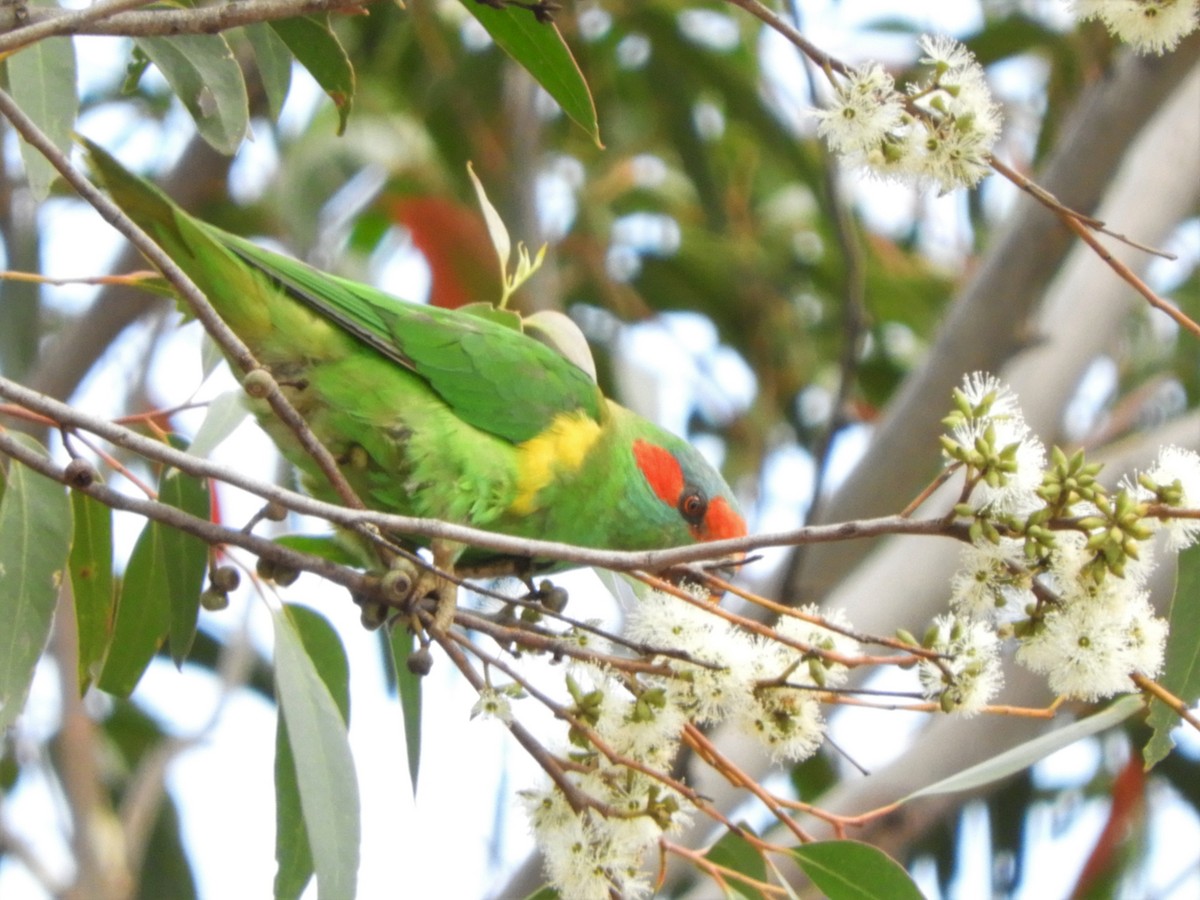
<point>969,675</point>
<point>990,583</point>
<point>865,108</point>
<point>1088,648</point>
<point>999,422</point>
<point>1180,468</point>
<point>1151,26</point>
<point>492,704</point>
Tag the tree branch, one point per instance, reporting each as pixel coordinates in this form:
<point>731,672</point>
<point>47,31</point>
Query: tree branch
<point>111,18</point>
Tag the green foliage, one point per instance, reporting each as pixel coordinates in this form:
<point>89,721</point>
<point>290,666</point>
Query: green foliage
<point>850,870</point>
<point>316,789</point>
<point>160,590</point>
<point>92,586</point>
<point>35,538</point>
<point>204,75</point>
<point>42,80</point>
<point>1181,675</point>
<point>734,852</point>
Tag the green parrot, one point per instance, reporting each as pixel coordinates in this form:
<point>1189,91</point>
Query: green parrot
<point>438,413</point>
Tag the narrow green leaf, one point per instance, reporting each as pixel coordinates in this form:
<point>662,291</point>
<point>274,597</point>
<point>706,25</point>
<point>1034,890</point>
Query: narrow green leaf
<point>402,644</point>
<point>1181,671</point>
<point>1018,758</point>
<point>324,767</point>
<point>143,615</point>
<point>92,582</point>
<point>292,853</point>
<point>185,559</point>
<point>539,48</point>
<point>41,77</point>
<point>35,538</point>
<point>851,870</point>
<point>225,413</point>
<point>201,70</point>
<point>544,893</point>
<point>274,65</point>
<point>318,49</point>
<point>734,852</point>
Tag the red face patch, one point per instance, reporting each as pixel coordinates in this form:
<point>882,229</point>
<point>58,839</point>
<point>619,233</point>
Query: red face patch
<point>722,522</point>
<point>661,469</point>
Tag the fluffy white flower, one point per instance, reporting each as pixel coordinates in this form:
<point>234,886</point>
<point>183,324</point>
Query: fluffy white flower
<point>865,108</point>
<point>996,420</point>
<point>785,720</point>
<point>969,675</point>
<point>1088,648</point>
<point>820,638</point>
<point>1180,468</point>
<point>1151,26</point>
<point>719,676</point>
<point>986,586</point>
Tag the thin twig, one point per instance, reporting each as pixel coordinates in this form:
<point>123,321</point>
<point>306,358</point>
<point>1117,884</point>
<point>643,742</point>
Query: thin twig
<point>112,18</point>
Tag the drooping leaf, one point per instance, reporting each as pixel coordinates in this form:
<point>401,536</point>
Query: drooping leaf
<point>202,71</point>
<point>539,48</point>
<point>185,558</point>
<point>1027,754</point>
<point>41,78</point>
<point>734,852</point>
<point>401,644</point>
<point>35,538</point>
<point>274,65</point>
<point>1181,671</point>
<point>323,767</point>
<point>318,49</point>
<point>292,852</point>
<point>851,870</point>
<point>92,582</point>
<point>143,614</point>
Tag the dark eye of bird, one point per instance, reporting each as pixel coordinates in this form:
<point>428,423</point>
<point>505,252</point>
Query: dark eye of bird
<point>693,506</point>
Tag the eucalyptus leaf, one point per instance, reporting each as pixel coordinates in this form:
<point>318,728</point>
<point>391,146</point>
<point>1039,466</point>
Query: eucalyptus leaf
<point>35,538</point>
<point>1181,669</point>
<point>42,80</point>
<point>318,49</point>
<point>324,767</point>
<point>203,73</point>
<point>539,48</point>
<point>92,584</point>
<point>851,870</point>
<point>1004,764</point>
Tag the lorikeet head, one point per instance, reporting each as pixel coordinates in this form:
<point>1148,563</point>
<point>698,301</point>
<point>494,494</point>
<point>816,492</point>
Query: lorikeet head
<point>681,479</point>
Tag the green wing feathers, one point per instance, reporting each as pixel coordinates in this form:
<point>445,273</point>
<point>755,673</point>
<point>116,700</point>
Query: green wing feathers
<point>493,377</point>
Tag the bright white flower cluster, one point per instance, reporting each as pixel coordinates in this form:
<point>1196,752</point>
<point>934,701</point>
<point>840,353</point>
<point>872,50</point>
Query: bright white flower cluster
<point>719,672</point>
<point>1150,26</point>
<point>968,674</point>
<point>766,686</point>
<point>1176,475</point>
<point>989,435</point>
<point>941,133</point>
<point>588,854</point>
<point>1073,594</point>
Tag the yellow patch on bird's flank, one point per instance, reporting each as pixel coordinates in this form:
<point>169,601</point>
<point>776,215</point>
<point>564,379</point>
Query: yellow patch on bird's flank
<point>561,448</point>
